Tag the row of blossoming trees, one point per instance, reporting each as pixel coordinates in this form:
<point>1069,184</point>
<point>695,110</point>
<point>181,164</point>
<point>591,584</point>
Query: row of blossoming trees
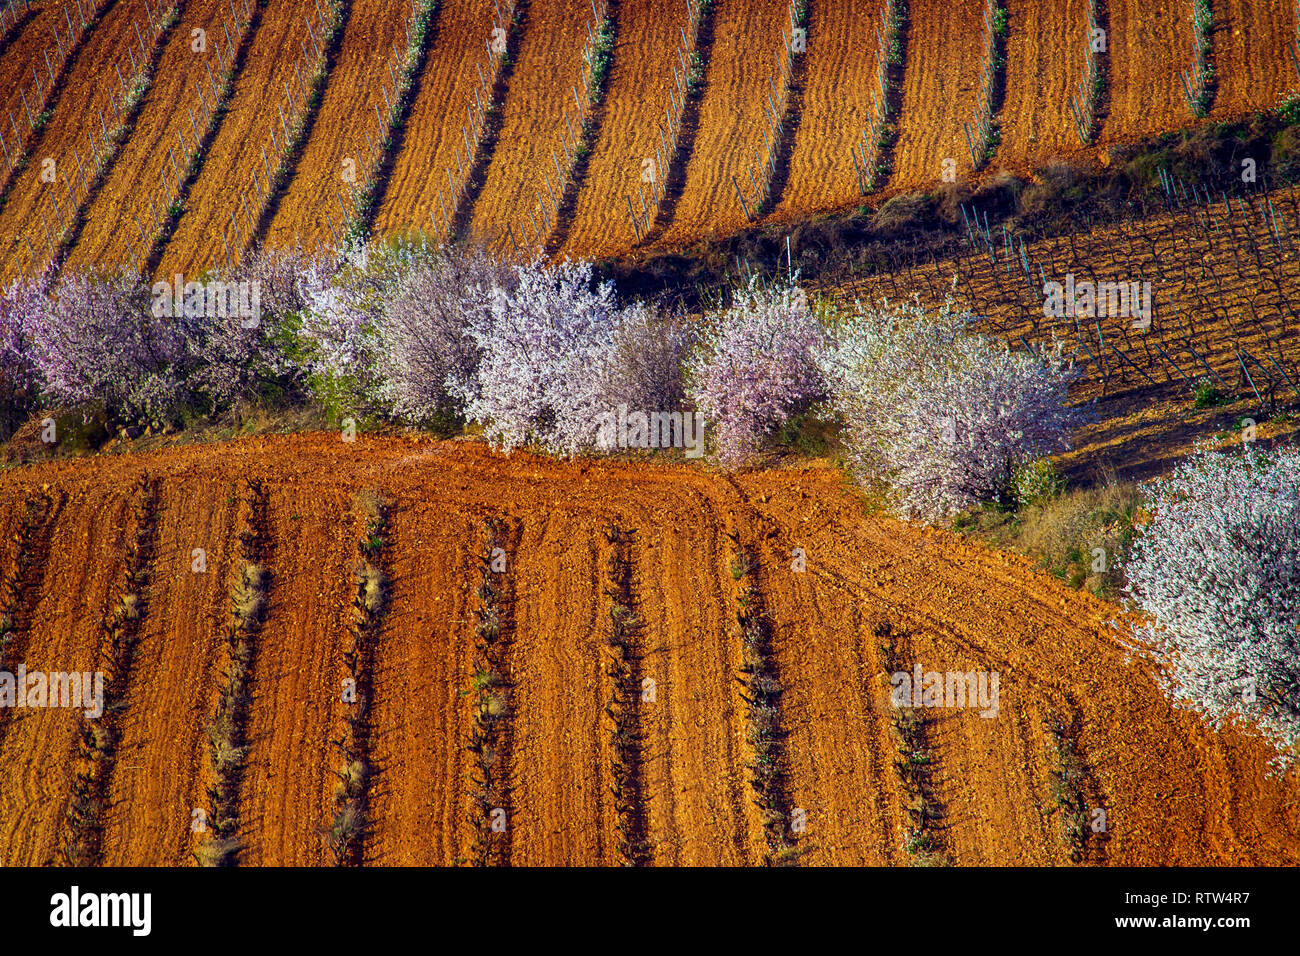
<point>540,355</point>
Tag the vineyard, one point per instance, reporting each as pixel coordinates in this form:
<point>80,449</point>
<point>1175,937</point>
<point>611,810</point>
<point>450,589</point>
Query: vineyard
<point>1218,274</point>
<point>175,138</point>
<point>381,577</point>
<point>570,663</point>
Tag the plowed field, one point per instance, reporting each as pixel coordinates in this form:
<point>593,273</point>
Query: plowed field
<point>348,110</point>
<point>34,203</point>
<point>1253,64</point>
<point>157,778</point>
<point>1046,41</point>
<point>841,43</point>
<point>940,89</point>
<point>445,89</point>
<point>67,600</point>
<point>1147,45</point>
<point>24,54</point>
<point>1174,791</point>
<point>275,50</point>
<point>633,114</point>
<point>143,163</point>
<point>540,92</point>
<point>745,54</point>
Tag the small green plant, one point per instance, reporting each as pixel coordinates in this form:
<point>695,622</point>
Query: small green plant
<point>1000,22</point>
<point>695,78</point>
<point>601,57</point>
<point>1207,394</point>
<point>1289,109</point>
<point>1036,481</point>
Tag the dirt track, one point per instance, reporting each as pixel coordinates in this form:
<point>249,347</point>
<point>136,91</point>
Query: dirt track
<point>1174,791</point>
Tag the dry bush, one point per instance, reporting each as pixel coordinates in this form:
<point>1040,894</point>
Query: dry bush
<point>1063,533</point>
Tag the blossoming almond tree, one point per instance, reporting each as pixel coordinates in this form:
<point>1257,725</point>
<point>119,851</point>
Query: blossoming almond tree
<point>22,303</point>
<point>543,347</point>
<point>1217,569</point>
<point>428,356</point>
<point>95,339</point>
<point>941,414</point>
<point>757,368</point>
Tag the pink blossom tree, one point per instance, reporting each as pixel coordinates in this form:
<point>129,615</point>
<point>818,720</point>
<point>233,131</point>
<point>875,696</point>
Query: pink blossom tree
<point>757,368</point>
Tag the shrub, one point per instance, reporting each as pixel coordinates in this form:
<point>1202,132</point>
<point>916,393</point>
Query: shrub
<point>97,339</point>
<point>1206,395</point>
<point>1065,534</point>
<point>643,368</point>
<point>428,356</point>
<point>338,337</point>
<point>906,211</point>
<point>1289,109</point>
<point>543,345</point>
<point>756,368</point>
<point>236,359</point>
<point>21,305</point>
<point>940,413</point>
<point>1217,568</point>
<point>1035,481</point>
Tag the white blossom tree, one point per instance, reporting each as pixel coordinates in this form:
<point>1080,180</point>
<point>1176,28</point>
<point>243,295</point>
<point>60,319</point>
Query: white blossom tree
<point>941,414</point>
<point>1217,569</point>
